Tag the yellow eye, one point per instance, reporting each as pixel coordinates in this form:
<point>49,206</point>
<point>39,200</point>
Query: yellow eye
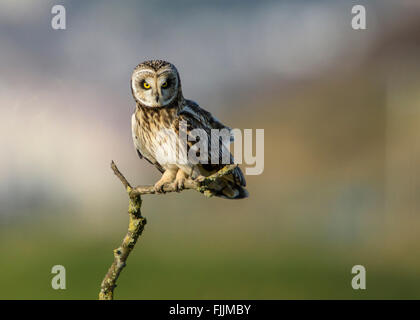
<point>146,85</point>
<point>164,85</point>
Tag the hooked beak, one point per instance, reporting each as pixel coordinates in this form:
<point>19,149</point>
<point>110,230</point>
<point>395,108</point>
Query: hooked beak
<point>157,98</point>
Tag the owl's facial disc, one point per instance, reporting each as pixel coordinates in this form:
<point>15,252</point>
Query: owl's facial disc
<point>154,89</point>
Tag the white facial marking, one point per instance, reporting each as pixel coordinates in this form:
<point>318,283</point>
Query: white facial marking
<point>156,95</point>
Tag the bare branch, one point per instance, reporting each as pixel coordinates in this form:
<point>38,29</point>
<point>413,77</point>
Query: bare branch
<point>200,185</point>
<point>137,222</point>
<point>120,175</point>
<point>135,229</point>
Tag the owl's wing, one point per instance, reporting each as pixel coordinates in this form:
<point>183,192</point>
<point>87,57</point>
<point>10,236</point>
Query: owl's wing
<point>193,110</point>
<point>198,118</point>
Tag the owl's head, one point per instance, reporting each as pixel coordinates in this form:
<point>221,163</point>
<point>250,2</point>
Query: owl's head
<point>156,83</point>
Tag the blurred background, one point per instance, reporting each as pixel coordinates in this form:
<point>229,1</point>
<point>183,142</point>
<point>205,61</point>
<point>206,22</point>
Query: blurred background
<point>341,114</point>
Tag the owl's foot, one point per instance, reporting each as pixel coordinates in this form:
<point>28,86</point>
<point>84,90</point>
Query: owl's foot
<point>160,185</point>
<point>167,178</point>
<point>179,182</point>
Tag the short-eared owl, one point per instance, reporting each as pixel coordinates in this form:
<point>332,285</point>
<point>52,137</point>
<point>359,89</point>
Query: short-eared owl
<point>157,123</point>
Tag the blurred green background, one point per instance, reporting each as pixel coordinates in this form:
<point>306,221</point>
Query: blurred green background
<point>341,183</point>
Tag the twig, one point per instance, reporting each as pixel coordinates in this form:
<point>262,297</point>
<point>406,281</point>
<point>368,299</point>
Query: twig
<point>137,222</point>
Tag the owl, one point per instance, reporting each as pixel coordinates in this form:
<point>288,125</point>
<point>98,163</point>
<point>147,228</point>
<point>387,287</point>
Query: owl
<point>162,116</point>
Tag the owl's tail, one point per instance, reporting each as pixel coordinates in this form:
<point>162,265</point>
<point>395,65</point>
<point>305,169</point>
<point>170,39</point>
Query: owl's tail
<point>230,186</point>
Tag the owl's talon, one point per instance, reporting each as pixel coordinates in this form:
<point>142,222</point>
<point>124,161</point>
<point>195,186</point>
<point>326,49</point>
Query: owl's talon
<point>175,187</point>
<point>159,187</point>
<point>180,184</point>
<point>167,177</point>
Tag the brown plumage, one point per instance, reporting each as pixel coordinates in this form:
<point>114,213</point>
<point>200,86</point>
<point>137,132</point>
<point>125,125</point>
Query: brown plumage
<point>160,115</point>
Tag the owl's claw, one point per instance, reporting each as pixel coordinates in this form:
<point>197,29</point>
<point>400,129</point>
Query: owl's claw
<point>159,186</point>
<point>167,177</point>
<point>178,184</point>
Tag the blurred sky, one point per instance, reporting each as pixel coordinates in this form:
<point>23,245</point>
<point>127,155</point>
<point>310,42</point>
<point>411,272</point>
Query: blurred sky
<point>65,94</point>
<point>339,107</point>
